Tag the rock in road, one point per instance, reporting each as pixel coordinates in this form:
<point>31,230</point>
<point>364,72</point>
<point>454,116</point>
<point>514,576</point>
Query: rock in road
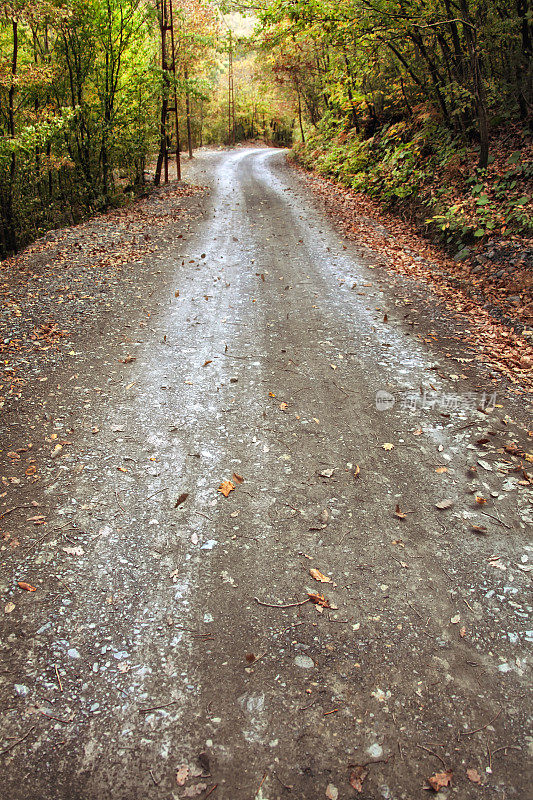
<point>352,615</point>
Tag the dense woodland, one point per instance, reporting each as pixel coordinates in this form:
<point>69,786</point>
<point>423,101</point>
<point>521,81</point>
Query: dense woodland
<point>425,103</point>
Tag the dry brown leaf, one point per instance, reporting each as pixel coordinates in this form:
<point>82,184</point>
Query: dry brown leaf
<point>480,500</point>
<point>399,513</point>
<point>318,599</point>
<point>182,774</point>
<point>440,779</point>
<point>207,362</point>
<point>478,528</point>
<point>357,776</point>
<point>237,478</point>
<point>128,359</point>
<point>9,607</point>
<point>473,776</point>
<point>318,576</point>
<point>27,586</point>
<point>443,504</point>
<point>226,487</point>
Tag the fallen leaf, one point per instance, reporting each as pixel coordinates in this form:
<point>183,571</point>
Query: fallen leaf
<point>440,779</point>
<point>440,470</point>
<point>237,478</point>
<point>250,657</point>
<point>27,586</point>
<point>462,632</point>
<point>56,451</point>
<point>332,793</point>
<point>455,619</point>
<point>283,406</point>
<point>226,487</point>
<point>357,776</point>
<point>182,774</point>
<point>9,607</point>
<point>318,576</point>
<point>479,528</point>
<point>318,599</point>
<point>398,513</point>
<point>357,471</point>
<point>443,504</point>
<point>181,499</point>
<point>388,446</point>
<point>128,359</point>
<point>473,776</point>
<point>74,551</point>
<point>480,500</point>
<point>207,362</point>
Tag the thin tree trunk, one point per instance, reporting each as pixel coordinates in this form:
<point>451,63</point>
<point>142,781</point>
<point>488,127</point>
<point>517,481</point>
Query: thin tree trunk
<point>188,111</point>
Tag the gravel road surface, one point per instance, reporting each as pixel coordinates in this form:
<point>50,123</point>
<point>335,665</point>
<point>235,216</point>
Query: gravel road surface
<point>178,644</point>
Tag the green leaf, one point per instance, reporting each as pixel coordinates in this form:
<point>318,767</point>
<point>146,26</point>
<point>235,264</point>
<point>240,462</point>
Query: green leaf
<point>479,233</point>
<point>482,200</point>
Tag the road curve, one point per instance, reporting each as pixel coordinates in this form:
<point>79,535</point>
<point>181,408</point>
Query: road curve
<point>279,356</point>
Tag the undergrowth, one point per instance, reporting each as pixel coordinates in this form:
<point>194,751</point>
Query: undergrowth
<point>419,170</point>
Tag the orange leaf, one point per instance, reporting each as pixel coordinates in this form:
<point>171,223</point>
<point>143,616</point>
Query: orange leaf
<point>226,487</point>
<point>27,586</point>
<point>399,513</point>
<point>318,599</point>
<point>237,478</point>
<point>357,471</point>
<point>473,776</point>
<point>317,575</point>
<point>440,779</point>
<point>357,776</point>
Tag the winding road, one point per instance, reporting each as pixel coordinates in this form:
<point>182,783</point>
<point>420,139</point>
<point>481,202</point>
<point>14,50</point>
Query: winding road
<point>187,658</point>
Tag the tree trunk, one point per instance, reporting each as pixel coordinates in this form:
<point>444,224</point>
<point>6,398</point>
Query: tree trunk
<point>188,111</point>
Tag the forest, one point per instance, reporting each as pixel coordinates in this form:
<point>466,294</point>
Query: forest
<point>423,105</point>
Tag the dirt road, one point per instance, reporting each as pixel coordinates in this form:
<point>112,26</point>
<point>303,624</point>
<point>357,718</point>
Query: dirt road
<point>172,648</point>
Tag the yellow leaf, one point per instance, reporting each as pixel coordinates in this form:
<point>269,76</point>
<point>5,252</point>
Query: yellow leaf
<point>318,576</point>
<point>226,487</point>
<point>388,446</point>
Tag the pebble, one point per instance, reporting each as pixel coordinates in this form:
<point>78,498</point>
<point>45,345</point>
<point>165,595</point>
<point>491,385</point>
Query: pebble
<point>304,661</point>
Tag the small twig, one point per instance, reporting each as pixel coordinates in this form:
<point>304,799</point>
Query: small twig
<point>156,783</point>
<point>303,708</point>
<point>497,519</point>
<point>418,614</point>
<point>57,719</point>
<point>506,747</point>
<point>333,711</point>
<point>482,728</point>
<point>212,789</point>
<point>58,678</point>
<point>118,501</point>
<point>11,746</point>
<point>9,510</point>
<point>421,746</point>
<point>153,495</point>
<point>279,605</point>
<point>285,786</point>
<point>200,514</point>
<point>262,782</point>
<point>156,708</point>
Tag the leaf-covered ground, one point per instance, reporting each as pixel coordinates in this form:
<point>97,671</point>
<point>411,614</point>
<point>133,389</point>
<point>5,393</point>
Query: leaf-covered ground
<point>487,295</point>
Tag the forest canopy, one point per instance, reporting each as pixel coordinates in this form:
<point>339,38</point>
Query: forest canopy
<point>94,93</point>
